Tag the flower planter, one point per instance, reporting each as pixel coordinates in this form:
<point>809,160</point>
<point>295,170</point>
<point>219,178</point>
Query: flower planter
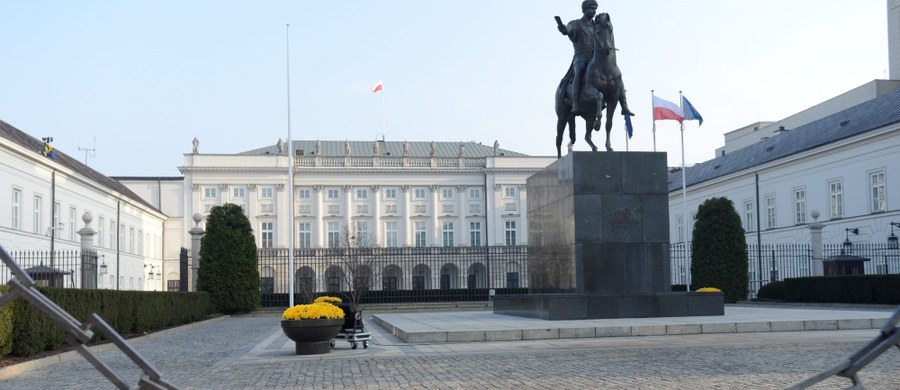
<point>312,336</point>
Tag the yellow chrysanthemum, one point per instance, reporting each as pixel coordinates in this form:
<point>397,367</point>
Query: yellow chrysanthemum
<point>313,311</point>
<point>709,289</point>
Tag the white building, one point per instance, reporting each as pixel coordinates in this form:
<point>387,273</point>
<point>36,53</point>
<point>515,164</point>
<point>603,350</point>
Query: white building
<point>844,164</point>
<point>48,199</point>
<point>404,194</point>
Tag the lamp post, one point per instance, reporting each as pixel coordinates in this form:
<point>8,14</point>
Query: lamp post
<point>848,246</point>
<point>102,269</point>
<point>892,239</point>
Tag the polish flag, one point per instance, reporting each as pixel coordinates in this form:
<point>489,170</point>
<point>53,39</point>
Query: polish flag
<point>666,110</point>
<point>379,87</point>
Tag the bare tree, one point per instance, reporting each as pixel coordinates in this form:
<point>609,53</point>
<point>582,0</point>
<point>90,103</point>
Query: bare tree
<point>356,265</point>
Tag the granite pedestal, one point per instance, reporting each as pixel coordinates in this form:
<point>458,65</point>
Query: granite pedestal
<point>598,242</point>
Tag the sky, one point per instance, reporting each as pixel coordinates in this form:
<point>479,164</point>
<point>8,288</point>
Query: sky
<point>136,81</point>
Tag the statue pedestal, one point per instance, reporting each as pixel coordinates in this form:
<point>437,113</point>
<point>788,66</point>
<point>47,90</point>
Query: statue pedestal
<point>598,233</point>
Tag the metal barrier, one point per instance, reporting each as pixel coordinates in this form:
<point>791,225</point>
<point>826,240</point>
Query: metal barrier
<point>79,333</point>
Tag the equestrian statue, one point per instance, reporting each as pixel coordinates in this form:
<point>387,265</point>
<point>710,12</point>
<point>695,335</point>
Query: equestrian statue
<point>593,77</point>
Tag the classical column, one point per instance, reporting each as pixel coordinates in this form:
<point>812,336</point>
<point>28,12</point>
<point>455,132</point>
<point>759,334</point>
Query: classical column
<point>521,236</point>
<point>461,228</point>
<point>318,237</point>
<point>348,203</point>
<point>435,210</point>
<point>495,214</point>
<point>817,267</point>
<point>376,215</point>
<point>196,234</point>
<point>281,213</point>
<point>406,233</point>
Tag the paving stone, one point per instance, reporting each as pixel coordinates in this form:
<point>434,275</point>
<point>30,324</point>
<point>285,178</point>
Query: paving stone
<point>762,326</point>
<point>540,334</point>
<point>726,327</point>
<point>613,331</point>
<point>683,329</point>
<point>648,330</point>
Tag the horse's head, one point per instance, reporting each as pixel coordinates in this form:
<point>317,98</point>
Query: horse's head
<point>605,41</point>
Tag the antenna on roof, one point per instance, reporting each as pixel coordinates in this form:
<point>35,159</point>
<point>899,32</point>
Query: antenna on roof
<point>89,152</point>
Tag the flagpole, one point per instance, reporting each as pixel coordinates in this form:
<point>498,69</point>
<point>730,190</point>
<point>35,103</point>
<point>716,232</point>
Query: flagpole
<point>290,172</point>
<point>683,183</point>
<point>382,107</point>
<point>654,120</point>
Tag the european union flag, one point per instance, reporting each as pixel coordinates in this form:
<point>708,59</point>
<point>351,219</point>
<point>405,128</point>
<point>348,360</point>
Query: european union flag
<point>690,113</point>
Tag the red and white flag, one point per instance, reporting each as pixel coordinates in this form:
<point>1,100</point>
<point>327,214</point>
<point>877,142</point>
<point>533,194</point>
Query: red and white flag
<point>666,110</point>
<point>379,87</point>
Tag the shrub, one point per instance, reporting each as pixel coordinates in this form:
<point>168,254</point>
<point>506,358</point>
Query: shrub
<point>6,324</point>
<point>719,250</point>
<point>773,291</point>
<point>228,261</point>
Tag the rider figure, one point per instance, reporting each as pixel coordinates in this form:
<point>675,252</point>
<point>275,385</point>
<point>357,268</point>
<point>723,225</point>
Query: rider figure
<point>581,33</point>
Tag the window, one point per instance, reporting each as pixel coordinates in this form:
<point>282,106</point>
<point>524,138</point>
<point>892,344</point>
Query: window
<point>420,234</point>
<point>770,212</point>
<point>475,233</point>
<point>475,193</point>
<point>879,201</point>
<point>361,235</point>
<point>419,194</point>
<point>511,233</point>
<point>390,234</point>
<point>362,209</point>
<point>266,192</point>
<point>17,209</point>
<point>265,208</point>
<point>38,206</point>
<point>332,194</point>
<point>334,209</point>
<point>100,223</point>
<point>447,209</point>
<point>447,233</point>
<point>800,206</point>
<point>238,192</point>
<point>333,231</point>
<point>113,244</point>
<point>131,240</point>
<point>419,209</point>
<point>73,214</point>
<point>509,192</point>
<point>509,206</point>
<point>390,209</point>
<point>446,193</point>
<point>209,192</point>
<point>55,224</point>
<point>390,193</point>
<point>836,194</point>
<point>267,234</point>
<point>512,280</point>
<point>304,209</point>
<point>679,228</point>
<point>362,193</point>
<point>304,235</point>
<point>749,221</point>
<point>140,243</point>
<point>474,208</point>
<point>304,194</point>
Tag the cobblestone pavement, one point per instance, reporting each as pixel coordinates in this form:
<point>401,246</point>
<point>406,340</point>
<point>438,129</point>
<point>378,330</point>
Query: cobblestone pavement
<point>252,353</point>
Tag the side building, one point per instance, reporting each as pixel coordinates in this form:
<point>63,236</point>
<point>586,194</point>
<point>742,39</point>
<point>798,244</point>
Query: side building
<point>49,198</point>
<point>840,170</point>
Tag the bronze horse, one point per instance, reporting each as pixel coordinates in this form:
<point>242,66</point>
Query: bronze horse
<point>603,88</point>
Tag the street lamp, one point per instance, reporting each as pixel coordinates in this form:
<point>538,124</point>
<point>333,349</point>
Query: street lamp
<point>848,246</point>
<point>103,265</point>
<point>892,239</point>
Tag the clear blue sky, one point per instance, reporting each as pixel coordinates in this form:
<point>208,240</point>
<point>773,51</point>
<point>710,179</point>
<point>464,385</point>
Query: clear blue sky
<point>146,77</point>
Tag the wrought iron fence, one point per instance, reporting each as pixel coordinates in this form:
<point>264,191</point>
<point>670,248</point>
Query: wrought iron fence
<point>65,269</point>
<point>395,274</point>
<point>773,262</point>
<point>854,258</point>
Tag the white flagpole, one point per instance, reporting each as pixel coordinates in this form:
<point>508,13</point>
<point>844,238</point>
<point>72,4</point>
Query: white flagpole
<point>382,107</point>
<point>654,120</point>
<point>290,175</point>
<point>683,184</point>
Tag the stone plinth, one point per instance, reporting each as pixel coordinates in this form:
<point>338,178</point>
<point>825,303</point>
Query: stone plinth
<point>598,234</point>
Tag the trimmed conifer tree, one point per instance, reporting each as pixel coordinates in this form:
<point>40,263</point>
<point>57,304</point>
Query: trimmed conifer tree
<point>719,250</point>
<point>229,261</point>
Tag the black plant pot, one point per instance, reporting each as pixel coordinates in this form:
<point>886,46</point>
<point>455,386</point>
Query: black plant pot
<point>312,337</point>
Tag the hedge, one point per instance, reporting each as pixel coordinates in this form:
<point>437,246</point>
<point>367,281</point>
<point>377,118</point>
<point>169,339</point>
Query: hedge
<point>873,289</point>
